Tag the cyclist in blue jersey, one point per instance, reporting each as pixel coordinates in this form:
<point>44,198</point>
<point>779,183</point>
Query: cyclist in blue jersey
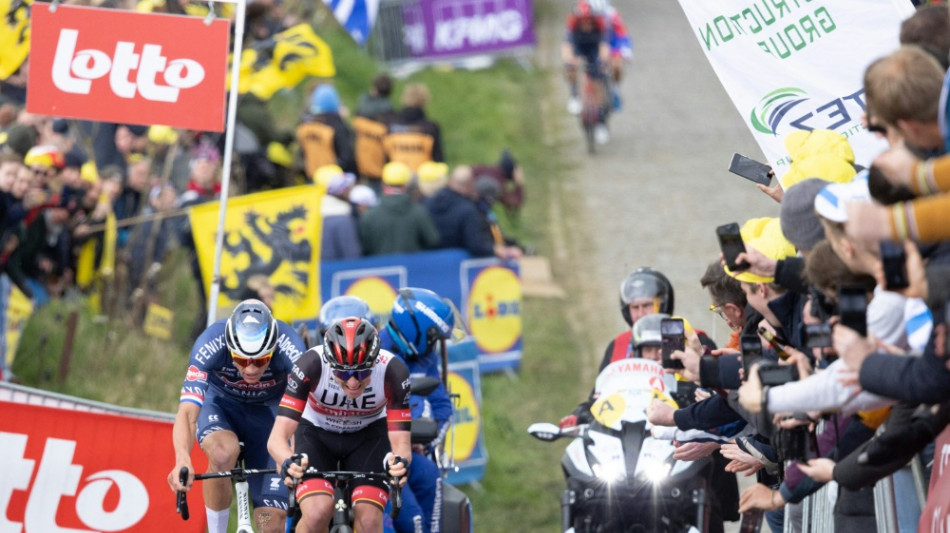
<point>419,322</point>
<point>236,377</point>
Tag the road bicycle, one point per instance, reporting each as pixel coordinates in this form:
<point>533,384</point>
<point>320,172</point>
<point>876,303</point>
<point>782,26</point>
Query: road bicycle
<point>594,107</point>
<point>342,481</point>
<point>239,474</point>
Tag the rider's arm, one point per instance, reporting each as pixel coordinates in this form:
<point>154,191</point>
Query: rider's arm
<point>183,438</point>
<point>278,444</point>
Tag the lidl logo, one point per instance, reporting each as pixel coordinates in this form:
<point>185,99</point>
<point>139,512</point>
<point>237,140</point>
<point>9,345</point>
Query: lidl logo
<point>791,108</point>
<point>464,436</point>
<point>494,309</point>
<point>375,291</point>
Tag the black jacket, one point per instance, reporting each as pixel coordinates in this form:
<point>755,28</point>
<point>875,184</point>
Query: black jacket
<point>460,223</point>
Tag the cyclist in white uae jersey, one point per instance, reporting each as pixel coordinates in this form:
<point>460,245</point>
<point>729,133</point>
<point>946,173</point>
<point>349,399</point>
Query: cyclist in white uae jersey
<point>347,407</point>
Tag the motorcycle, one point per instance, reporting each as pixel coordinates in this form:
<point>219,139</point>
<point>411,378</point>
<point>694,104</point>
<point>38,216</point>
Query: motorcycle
<point>619,477</point>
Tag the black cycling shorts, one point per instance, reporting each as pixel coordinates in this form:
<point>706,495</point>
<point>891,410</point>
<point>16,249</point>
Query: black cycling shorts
<point>360,451</point>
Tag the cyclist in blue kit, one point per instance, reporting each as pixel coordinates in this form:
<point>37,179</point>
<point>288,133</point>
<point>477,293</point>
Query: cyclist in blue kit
<point>236,377</point>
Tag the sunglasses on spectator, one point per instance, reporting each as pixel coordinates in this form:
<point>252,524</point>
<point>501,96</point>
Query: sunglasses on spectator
<point>345,375</point>
<point>44,171</point>
<point>718,310</point>
<point>259,362</point>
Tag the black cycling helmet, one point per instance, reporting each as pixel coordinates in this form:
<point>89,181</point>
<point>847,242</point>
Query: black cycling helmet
<point>351,344</point>
<point>251,331</point>
<point>645,282</point>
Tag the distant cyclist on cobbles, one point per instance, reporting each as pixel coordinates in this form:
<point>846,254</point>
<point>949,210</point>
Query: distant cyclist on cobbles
<point>586,45</point>
<point>236,376</point>
<point>419,322</point>
<point>347,407</point>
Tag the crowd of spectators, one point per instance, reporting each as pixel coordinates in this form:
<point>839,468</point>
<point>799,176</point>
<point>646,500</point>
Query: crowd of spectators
<point>838,364</point>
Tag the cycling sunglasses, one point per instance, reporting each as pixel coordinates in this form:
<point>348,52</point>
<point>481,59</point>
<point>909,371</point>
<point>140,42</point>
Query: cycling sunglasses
<point>345,375</point>
<point>259,362</point>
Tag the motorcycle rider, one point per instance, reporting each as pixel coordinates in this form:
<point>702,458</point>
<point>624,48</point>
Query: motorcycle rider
<point>420,320</point>
<point>643,292</point>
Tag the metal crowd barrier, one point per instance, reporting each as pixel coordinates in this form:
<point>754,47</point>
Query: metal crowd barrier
<point>10,392</point>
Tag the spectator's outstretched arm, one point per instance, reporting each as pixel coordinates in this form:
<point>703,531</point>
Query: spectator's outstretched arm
<point>888,375</point>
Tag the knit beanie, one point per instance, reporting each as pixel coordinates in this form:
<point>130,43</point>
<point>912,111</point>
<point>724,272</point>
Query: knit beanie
<point>324,99</point>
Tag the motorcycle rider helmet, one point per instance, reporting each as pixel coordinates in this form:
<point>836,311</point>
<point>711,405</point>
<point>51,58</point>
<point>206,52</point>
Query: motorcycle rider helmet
<point>251,330</point>
<point>341,307</point>
<point>351,343</point>
<point>420,318</point>
<point>643,283</point>
<point>646,332</point>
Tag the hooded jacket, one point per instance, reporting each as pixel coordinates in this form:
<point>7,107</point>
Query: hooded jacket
<point>396,226</point>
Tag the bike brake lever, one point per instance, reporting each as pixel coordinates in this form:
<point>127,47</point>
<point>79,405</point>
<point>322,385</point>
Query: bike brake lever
<point>181,503</point>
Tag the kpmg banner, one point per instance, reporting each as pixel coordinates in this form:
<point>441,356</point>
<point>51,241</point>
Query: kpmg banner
<point>798,65</point>
<point>486,291</point>
<point>435,29</point>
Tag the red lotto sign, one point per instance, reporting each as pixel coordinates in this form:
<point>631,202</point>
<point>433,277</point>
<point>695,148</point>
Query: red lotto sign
<point>83,472</point>
<point>126,67</point>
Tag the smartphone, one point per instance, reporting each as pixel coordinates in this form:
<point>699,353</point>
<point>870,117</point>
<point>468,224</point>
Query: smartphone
<point>730,242</point>
<point>751,346</point>
<point>672,338</point>
<point>853,308</point>
<point>774,375</point>
<point>817,335</point>
<point>751,521</point>
<point>750,169</point>
<point>895,265</point>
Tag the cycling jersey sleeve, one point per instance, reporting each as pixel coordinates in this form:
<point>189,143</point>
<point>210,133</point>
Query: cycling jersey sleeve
<point>398,415</point>
<point>208,347</point>
<point>302,378</point>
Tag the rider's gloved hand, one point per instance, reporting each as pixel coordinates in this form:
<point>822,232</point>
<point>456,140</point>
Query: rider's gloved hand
<point>397,467</point>
<point>298,459</point>
<point>568,421</point>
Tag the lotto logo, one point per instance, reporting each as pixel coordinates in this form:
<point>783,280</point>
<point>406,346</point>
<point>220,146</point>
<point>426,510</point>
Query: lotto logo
<point>73,71</point>
<point>147,69</point>
<point>56,477</point>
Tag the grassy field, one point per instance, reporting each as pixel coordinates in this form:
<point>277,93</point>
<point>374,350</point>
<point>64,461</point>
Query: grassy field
<point>481,112</point>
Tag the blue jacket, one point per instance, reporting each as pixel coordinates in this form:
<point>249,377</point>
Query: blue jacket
<point>436,405</point>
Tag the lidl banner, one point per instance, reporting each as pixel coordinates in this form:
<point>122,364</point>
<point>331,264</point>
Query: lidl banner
<point>274,234</point>
<point>83,472</point>
<point>465,441</point>
<point>486,291</point>
<point>798,65</point>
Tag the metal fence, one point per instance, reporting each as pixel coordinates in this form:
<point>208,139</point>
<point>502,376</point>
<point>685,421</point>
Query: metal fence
<point>26,395</point>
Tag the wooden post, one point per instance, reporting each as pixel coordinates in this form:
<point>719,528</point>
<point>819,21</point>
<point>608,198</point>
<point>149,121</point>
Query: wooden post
<point>68,345</point>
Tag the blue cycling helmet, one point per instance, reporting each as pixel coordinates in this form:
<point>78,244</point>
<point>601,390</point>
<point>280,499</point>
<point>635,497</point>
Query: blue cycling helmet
<point>341,307</point>
<point>419,319</point>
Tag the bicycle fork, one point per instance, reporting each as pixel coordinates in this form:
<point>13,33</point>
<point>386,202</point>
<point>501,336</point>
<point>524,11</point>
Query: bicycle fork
<point>243,506</point>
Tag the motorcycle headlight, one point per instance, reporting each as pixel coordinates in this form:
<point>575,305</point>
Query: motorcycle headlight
<point>656,471</point>
<point>609,473</point>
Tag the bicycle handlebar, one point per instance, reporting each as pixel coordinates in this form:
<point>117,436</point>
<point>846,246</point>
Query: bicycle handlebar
<point>181,501</point>
<point>181,498</point>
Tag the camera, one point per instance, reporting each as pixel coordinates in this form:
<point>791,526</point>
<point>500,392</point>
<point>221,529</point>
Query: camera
<point>817,335</point>
<point>730,242</point>
<point>773,375</point>
<point>751,346</point>
<point>894,260</point>
<point>672,338</point>
<point>853,308</point>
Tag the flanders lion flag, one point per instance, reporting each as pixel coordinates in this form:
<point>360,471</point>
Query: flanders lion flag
<point>275,234</point>
<point>14,35</point>
<point>284,61</point>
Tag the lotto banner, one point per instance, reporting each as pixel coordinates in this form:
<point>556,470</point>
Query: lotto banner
<point>486,291</point>
<point>84,472</point>
<point>146,69</point>
<point>798,65</point>
<point>274,234</point>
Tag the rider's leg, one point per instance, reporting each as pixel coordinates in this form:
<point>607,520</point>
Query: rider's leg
<point>316,509</point>
<point>268,492</point>
<point>222,450</point>
<point>425,480</point>
<point>367,515</point>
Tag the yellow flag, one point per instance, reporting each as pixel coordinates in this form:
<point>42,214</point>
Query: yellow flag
<point>272,233</point>
<point>283,62</point>
<point>14,35</point>
<point>109,237</point>
<point>18,310</point>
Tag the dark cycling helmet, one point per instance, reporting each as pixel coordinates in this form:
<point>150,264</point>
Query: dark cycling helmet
<point>351,343</point>
<point>251,331</point>
<point>342,307</point>
<point>419,319</point>
<point>645,282</point>
<point>646,332</point>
